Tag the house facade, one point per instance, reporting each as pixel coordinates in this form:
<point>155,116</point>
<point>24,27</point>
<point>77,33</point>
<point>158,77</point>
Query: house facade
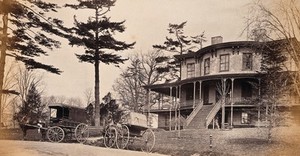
<point>215,87</point>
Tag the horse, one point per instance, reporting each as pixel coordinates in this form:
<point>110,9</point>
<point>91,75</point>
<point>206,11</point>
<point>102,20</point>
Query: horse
<point>27,122</point>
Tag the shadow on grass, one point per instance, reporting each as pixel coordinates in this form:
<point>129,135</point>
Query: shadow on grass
<point>190,153</point>
<point>248,141</point>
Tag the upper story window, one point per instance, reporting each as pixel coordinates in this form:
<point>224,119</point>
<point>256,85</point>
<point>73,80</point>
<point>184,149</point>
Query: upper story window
<point>247,61</point>
<point>190,70</point>
<point>224,62</point>
<point>206,66</point>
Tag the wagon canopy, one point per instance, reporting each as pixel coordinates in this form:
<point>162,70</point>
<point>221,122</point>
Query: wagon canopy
<point>140,120</point>
<point>64,111</point>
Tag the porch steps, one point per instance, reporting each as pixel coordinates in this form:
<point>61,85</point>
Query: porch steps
<point>198,122</point>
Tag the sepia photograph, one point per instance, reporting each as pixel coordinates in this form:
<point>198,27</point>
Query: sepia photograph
<point>149,77</point>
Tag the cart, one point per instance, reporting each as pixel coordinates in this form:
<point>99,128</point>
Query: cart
<point>65,121</point>
<point>133,128</point>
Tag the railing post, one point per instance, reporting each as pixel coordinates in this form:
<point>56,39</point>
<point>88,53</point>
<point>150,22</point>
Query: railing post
<point>170,110</point>
<point>210,142</point>
<point>231,100</point>
<point>200,91</point>
<point>259,104</point>
<point>179,95</point>
<point>194,95</point>
<point>175,109</point>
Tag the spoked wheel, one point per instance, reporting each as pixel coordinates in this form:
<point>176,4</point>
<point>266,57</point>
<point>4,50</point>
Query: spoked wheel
<point>123,137</point>
<point>81,133</point>
<point>110,137</point>
<point>55,134</point>
<point>148,140</point>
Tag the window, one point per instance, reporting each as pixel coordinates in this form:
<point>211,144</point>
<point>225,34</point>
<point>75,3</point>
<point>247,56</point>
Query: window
<point>245,118</point>
<point>247,61</point>
<point>190,70</point>
<point>206,66</point>
<point>224,62</point>
<point>53,113</point>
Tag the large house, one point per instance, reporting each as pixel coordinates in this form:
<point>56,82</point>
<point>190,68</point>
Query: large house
<point>223,68</point>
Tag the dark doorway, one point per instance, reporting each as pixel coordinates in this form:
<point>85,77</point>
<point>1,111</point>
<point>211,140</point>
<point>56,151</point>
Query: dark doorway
<point>246,90</point>
<point>206,94</point>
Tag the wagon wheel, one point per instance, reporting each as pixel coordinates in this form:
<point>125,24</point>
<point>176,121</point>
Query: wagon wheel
<point>81,133</point>
<point>55,134</point>
<point>148,140</point>
<point>110,137</point>
<point>123,137</point>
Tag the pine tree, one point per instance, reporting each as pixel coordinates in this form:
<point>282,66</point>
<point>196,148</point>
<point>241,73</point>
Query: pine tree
<point>96,36</point>
<point>179,44</point>
<point>25,33</point>
<point>32,107</point>
<point>274,81</point>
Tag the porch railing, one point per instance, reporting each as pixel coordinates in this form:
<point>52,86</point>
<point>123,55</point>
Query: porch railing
<point>241,101</point>
<point>198,107</point>
<point>213,113</point>
<point>189,103</point>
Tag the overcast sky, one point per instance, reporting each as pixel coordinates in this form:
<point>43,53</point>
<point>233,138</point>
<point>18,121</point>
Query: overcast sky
<point>146,24</point>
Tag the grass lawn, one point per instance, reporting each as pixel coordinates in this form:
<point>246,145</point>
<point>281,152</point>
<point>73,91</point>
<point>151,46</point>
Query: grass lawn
<point>238,141</point>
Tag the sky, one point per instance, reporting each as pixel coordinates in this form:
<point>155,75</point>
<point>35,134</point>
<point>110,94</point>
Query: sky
<point>146,23</point>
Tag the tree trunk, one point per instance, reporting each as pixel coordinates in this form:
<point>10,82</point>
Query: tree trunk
<point>97,93</point>
<point>97,81</point>
<point>3,56</point>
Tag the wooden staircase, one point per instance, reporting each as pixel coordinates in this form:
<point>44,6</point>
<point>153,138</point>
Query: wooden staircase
<point>199,120</point>
<point>213,112</point>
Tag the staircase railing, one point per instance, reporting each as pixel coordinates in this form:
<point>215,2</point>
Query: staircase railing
<point>213,113</point>
<point>194,112</point>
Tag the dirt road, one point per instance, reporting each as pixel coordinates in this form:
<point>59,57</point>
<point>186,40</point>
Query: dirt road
<point>33,148</point>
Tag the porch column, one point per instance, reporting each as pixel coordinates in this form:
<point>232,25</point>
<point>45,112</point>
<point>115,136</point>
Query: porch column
<point>259,104</point>
<point>162,100</point>
<point>231,100</point>
<point>179,105</point>
<point>194,95</point>
<point>223,102</point>
<point>200,91</point>
<point>170,109</point>
<point>159,100</point>
<point>176,108</point>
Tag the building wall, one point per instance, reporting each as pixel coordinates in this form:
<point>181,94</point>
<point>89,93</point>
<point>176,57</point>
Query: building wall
<point>235,62</point>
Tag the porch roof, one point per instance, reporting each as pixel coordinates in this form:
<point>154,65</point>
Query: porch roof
<point>165,87</point>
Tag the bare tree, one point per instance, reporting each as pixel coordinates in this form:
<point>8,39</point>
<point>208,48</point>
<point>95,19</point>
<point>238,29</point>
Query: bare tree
<point>88,95</point>
<point>75,101</point>
<point>142,71</point>
<point>279,21</point>
<point>25,80</point>
<point>9,97</point>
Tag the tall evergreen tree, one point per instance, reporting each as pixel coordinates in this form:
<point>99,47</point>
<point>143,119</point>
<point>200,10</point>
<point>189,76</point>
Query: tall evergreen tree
<point>96,36</point>
<point>179,44</point>
<point>25,30</point>
<point>274,81</point>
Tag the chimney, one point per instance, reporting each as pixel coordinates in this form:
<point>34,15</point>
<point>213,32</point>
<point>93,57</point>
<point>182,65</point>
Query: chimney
<point>216,40</point>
